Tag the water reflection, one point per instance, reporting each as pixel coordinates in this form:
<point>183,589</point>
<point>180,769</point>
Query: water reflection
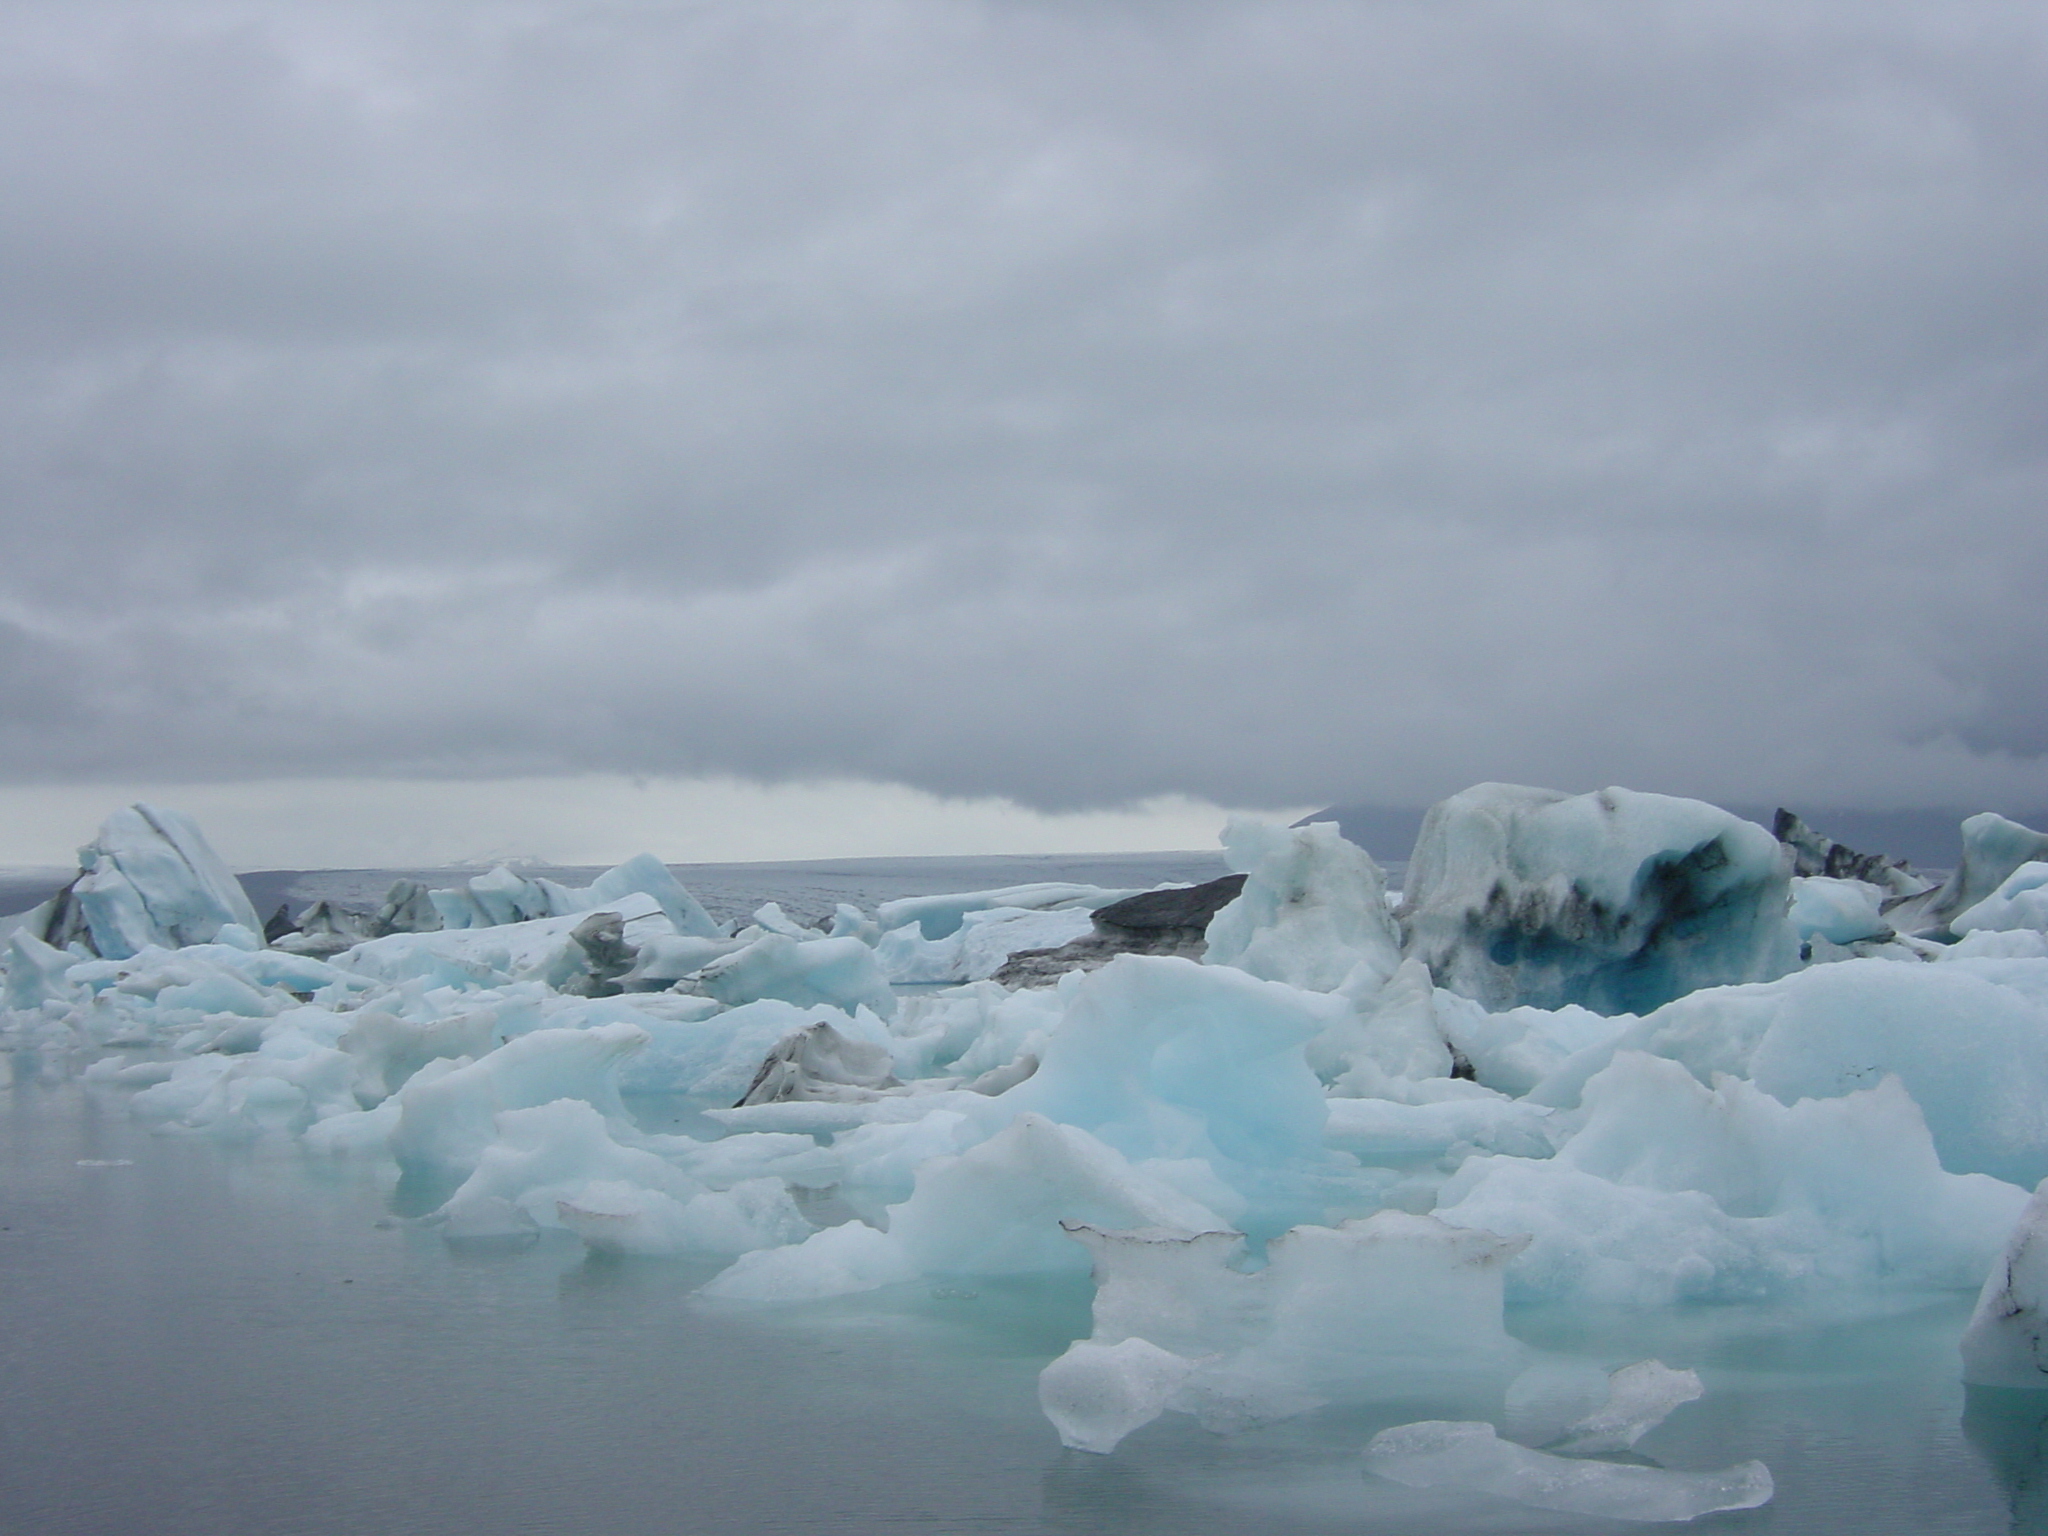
<point>2009,1429</point>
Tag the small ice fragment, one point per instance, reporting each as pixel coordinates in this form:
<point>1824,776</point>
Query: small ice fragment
<point>1639,1398</point>
<point>1551,1397</point>
<point>1437,1454</point>
<point>835,1262</point>
<point>106,1162</point>
<point>489,1221</point>
<point>1095,1394</point>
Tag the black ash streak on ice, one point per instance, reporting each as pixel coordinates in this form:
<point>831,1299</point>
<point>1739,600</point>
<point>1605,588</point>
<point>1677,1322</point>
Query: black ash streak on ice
<point>794,391</point>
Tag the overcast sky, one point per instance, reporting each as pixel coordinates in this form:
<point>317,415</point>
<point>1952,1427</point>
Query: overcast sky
<point>1071,403</point>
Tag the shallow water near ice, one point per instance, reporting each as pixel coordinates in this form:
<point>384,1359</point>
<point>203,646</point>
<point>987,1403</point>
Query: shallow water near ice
<point>223,1339</point>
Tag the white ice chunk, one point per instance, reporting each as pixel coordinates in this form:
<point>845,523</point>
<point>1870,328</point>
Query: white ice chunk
<point>978,948</point>
<point>1639,1398</point>
<point>364,1133</point>
<point>1395,1032</point>
<point>489,955</point>
<point>840,973</point>
<point>1161,1057</point>
<point>1553,1394</point>
<point>1840,911</point>
<point>547,1154</point>
<point>503,897</point>
<point>1473,1458</point>
<point>1313,910</point>
<point>1376,1129</point>
<point>835,1262</point>
<point>819,1062</point>
<point>770,916</point>
<point>149,878</point>
<point>389,1049</point>
<point>997,1208</point>
<point>491,899</point>
<point>1673,1191</point>
<point>1095,1394</point>
<point>36,973</point>
<point>1619,901</point>
<point>849,922</point>
<point>1382,1306</point>
<point>446,1120</point>
<point>2020,902</point>
<point>1179,1289</point>
<point>613,1216</point>
<point>719,1053</point>
<point>734,1160</point>
<point>939,916</point>
<point>1972,1051</point>
<point>1514,1049</point>
<point>994,1209</point>
<point>2000,944</point>
<point>1993,848</point>
<point>2006,1344</point>
<point>284,1085</point>
<point>886,1156</point>
<point>646,875</point>
<point>1392,1296</point>
<point>666,958</point>
<point>977,1029</point>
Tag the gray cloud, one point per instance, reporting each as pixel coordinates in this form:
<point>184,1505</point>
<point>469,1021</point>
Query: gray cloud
<point>1272,402</point>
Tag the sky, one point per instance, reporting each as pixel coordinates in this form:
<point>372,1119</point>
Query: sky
<point>446,427</point>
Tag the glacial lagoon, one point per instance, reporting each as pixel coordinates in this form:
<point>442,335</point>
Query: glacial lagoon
<point>228,1334</point>
<point>235,1340</point>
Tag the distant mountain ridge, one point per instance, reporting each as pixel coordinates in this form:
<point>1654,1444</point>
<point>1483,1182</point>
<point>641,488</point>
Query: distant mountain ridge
<point>1926,839</point>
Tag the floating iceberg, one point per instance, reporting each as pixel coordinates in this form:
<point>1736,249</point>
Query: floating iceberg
<point>149,879</point>
<point>501,897</point>
<point>818,1062</point>
<point>1993,848</point>
<point>841,973</point>
<point>1095,1394</point>
<point>1815,856</point>
<point>1472,1458</point>
<point>1164,1058</point>
<point>1313,910</point>
<point>938,917</point>
<point>1387,1305</point>
<point>1618,901</point>
<point>994,1209</point>
<point>1674,1191</point>
<point>2006,1344</point>
<point>1968,1040</point>
<point>1840,911</point>
<point>2020,902</point>
<point>625,1218</point>
<point>447,1119</point>
<point>980,946</point>
<point>1639,1398</point>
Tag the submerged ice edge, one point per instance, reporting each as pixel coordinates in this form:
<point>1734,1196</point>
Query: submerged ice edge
<point>1472,1458</point>
<point>1309,1138</point>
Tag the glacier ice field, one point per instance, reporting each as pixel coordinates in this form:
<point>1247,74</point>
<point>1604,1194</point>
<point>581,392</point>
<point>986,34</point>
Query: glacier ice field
<point>1629,1164</point>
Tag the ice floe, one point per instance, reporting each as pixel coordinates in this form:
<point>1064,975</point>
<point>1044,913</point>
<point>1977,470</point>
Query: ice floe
<point>1472,1458</point>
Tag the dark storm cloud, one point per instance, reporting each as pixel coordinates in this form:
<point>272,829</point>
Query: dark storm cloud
<point>1270,402</point>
